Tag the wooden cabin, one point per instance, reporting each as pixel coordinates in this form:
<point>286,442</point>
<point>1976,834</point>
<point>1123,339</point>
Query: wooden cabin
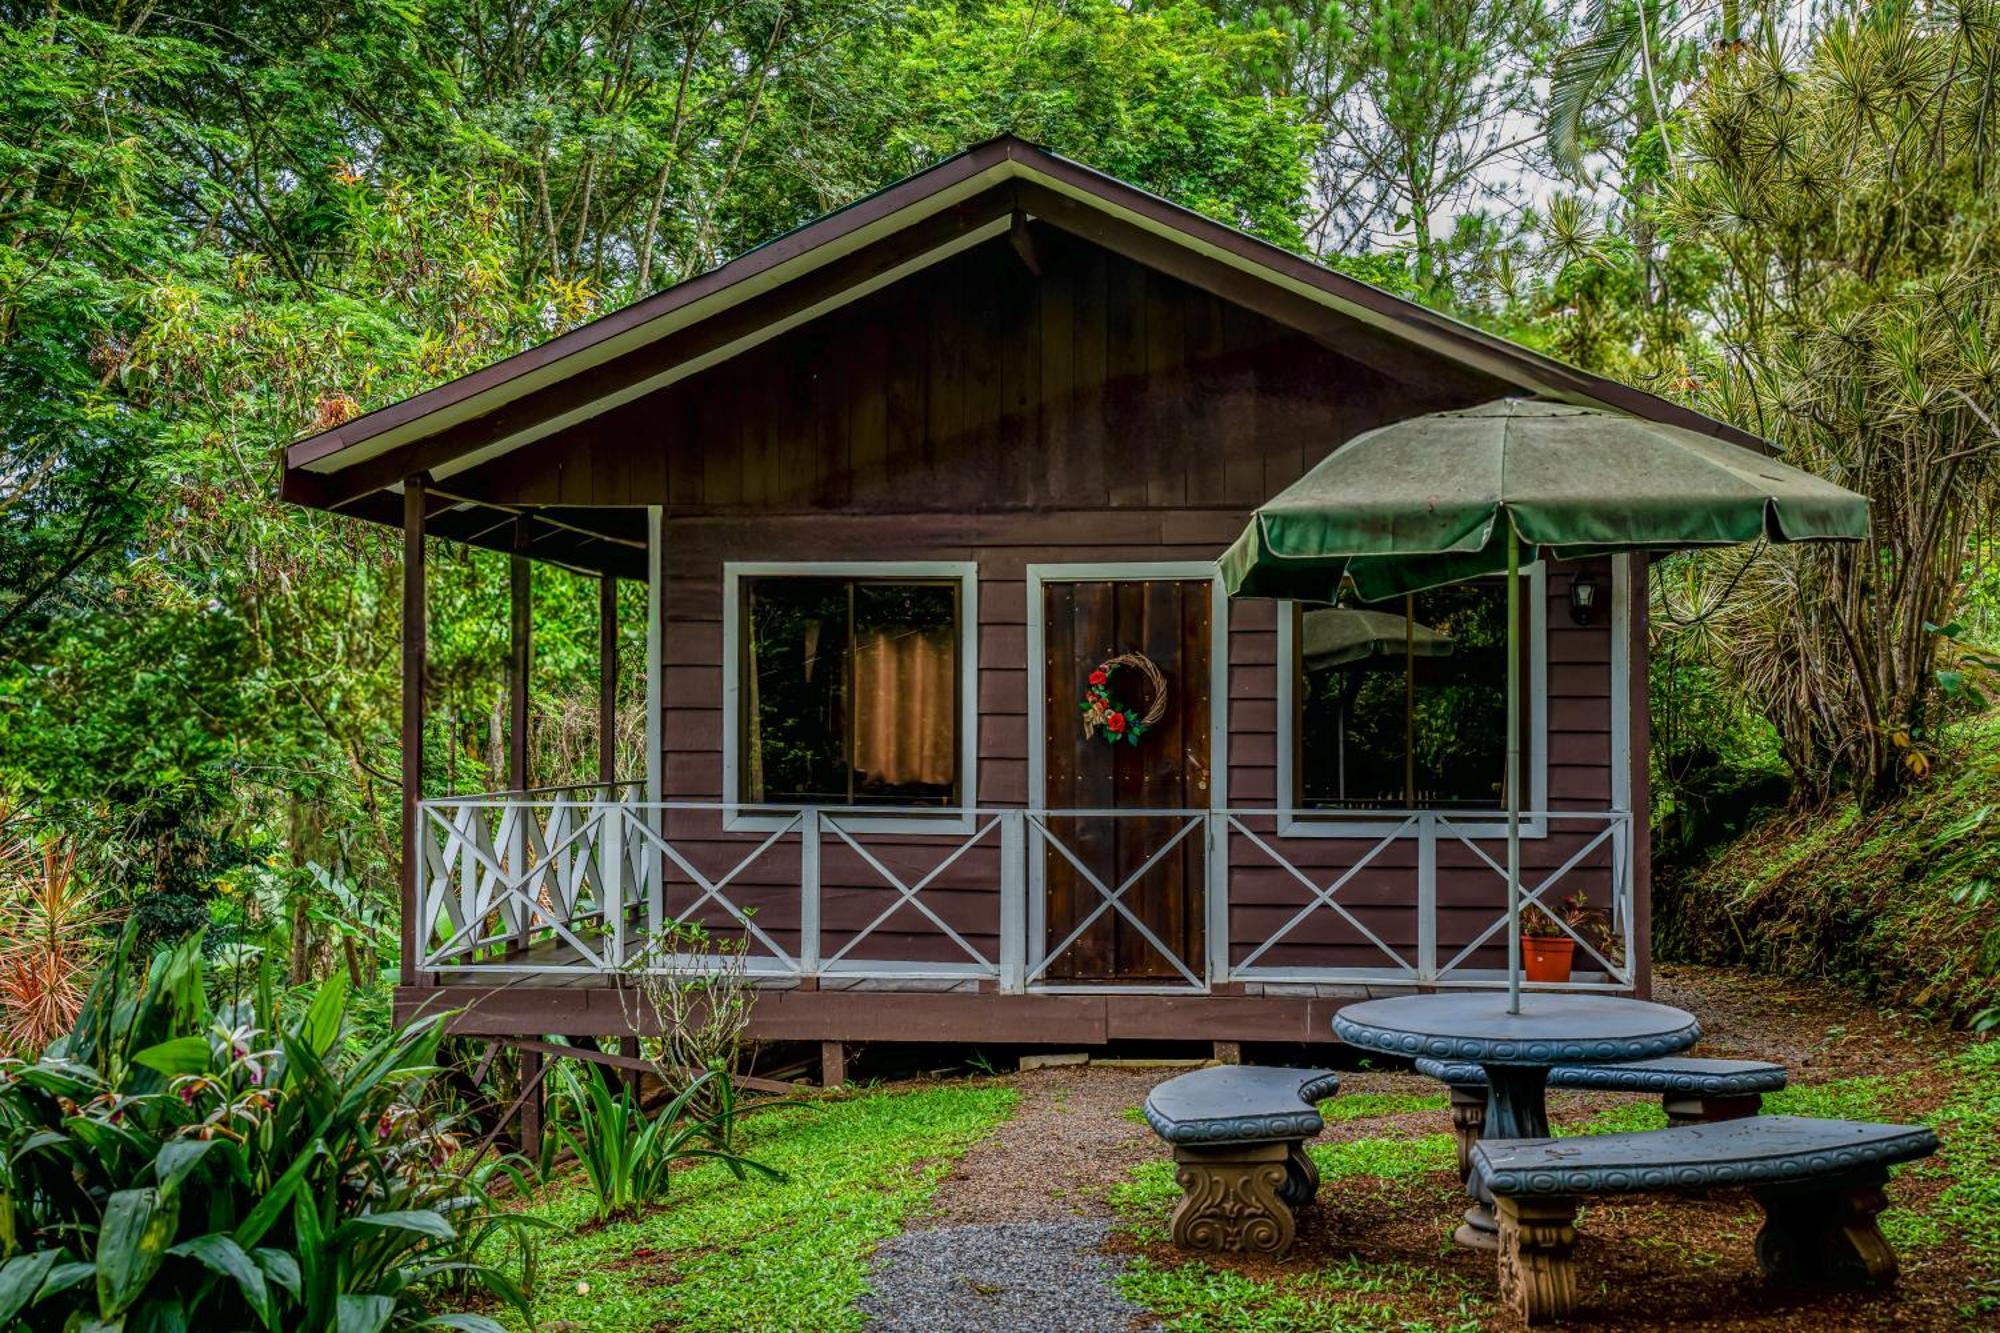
<point>897,483</point>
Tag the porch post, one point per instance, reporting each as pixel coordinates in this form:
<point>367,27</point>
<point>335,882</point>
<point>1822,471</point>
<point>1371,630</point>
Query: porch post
<point>414,635</point>
<point>1638,722</point>
<point>611,833</point>
<point>520,653</point>
<point>654,866</point>
<point>607,680</point>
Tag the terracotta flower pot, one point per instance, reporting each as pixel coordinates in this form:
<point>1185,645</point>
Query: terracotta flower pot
<point>1547,957</point>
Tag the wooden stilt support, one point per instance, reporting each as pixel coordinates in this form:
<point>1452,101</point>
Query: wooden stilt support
<point>531,1105</point>
<point>832,1064</point>
<point>629,1048</point>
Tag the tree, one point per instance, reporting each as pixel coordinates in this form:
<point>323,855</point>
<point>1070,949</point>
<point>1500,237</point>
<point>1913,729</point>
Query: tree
<point>1428,115</point>
<point>1159,96</point>
<point>1849,196</point>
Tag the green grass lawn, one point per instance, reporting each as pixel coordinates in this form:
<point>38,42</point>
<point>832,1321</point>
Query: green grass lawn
<point>758,1255</point>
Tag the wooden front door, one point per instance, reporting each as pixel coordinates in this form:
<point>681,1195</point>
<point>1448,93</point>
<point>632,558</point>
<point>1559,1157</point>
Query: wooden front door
<point>1168,769</point>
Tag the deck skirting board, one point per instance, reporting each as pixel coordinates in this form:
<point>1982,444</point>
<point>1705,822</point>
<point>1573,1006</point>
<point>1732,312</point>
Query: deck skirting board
<point>908,1016</point>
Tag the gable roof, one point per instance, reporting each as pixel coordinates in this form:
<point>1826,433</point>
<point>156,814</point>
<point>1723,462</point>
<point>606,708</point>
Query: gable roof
<point>969,198</point>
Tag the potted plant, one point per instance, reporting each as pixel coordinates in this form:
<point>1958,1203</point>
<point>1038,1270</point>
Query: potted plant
<point>1547,950</point>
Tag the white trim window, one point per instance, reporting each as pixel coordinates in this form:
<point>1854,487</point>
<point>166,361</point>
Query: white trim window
<point>851,686</point>
<point>1400,706</point>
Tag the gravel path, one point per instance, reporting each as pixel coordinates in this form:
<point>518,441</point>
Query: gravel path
<point>1013,1241</point>
<point>1003,1277</point>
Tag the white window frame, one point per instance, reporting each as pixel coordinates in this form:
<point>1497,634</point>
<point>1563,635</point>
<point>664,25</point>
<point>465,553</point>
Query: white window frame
<point>1294,822</point>
<point>957,818</point>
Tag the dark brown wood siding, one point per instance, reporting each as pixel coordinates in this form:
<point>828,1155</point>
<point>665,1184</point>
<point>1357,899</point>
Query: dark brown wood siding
<point>1102,412</point>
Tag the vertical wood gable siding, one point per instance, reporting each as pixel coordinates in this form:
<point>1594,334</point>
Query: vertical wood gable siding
<point>1100,413</point>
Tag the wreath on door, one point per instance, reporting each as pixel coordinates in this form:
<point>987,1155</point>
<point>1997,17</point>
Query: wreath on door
<point>1106,714</point>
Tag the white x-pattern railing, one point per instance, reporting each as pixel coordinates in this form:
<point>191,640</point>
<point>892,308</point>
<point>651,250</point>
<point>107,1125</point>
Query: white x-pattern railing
<point>580,879</point>
<point>1180,826</point>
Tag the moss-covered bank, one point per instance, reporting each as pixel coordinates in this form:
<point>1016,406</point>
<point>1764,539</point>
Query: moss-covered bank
<point>1901,902</point>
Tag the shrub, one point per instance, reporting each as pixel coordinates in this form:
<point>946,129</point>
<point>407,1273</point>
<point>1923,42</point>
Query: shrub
<point>627,1156</point>
<point>49,936</point>
<point>164,1162</point>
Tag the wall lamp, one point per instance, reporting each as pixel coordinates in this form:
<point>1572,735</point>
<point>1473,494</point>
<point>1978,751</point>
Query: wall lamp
<point>1582,598</point>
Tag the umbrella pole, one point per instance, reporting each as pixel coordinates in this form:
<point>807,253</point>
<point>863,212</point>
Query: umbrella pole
<point>1513,767</point>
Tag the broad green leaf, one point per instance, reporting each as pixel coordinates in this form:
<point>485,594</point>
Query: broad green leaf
<point>180,1055</point>
<point>63,1277</point>
<point>278,1267</point>
<point>416,1219</point>
<point>178,1157</point>
<point>363,1314</point>
<point>219,1254</point>
<point>20,1278</point>
<point>131,1245</point>
<point>266,1212</point>
<point>465,1323</point>
<point>156,1316</point>
<point>321,1026</point>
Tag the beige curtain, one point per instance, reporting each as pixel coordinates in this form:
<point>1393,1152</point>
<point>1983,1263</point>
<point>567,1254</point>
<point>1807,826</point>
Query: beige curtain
<point>905,707</point>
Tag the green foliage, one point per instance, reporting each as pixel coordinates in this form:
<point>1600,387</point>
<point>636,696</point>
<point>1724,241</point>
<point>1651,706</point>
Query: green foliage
<point>1967,1210</point>
<point>630,1157</point>
<point>1847,189</point>
<point>1156,95</point>
<point>787,1255</point>
<point>164,1162</point>
<point>1886,900</point>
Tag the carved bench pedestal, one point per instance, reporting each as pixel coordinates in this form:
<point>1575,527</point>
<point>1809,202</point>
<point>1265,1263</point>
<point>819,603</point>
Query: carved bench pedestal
<point>1238,1133</point>
<point>1537,1275</point>
<point>1239,1197</point>
<point>1825,1231</point>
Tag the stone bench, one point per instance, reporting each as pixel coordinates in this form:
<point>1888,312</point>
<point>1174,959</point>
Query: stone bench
<point>1238,1133</point>
<point>1819,1183</point>
<point>1692,1090</point>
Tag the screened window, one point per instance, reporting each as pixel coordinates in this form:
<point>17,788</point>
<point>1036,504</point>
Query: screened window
<point>1403,705</point>
<point>849,691</point>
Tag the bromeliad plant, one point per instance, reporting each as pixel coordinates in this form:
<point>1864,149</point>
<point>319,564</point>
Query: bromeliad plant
<point>164,1164</point>
<point>628,1156</point>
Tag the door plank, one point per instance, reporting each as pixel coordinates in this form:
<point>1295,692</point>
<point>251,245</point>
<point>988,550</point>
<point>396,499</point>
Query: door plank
<point>1170,768</point>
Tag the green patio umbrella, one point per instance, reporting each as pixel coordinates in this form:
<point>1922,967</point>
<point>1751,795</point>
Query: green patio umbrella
<point>1456,495</point>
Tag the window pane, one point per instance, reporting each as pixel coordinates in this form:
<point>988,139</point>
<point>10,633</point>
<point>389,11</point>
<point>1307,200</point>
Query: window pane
<point>795,691</point>
<point>905,693</point>
<point>1461,722</point>
<point>1387,700</point>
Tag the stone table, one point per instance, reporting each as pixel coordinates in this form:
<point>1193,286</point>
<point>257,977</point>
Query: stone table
<point>1516,1051</point>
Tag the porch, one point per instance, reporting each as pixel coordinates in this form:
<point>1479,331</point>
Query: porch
<point>568,888</point>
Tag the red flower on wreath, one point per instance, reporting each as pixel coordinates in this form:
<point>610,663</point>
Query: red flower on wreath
<point>1098,677</point>
<point>1115,722</point>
